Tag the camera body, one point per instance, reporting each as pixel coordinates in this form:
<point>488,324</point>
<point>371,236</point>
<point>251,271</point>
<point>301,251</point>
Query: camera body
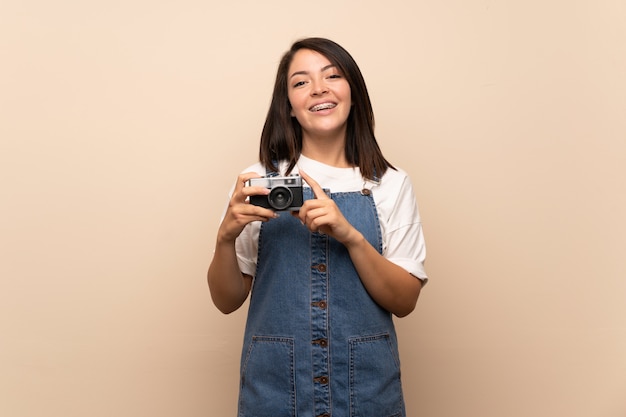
<point>285,193</point>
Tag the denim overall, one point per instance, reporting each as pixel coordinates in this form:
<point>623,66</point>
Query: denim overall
<point>316,344</point>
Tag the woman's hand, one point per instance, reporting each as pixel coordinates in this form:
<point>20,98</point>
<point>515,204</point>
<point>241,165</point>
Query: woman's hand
<point>323,216</point>
<point>229,287</point>
<point>240,212</point>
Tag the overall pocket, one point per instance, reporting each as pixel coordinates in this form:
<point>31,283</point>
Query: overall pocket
<point>267,386</point>
<point>375,387</point>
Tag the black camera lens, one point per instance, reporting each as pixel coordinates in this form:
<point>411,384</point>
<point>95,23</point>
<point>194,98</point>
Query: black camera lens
<point>280,198</point>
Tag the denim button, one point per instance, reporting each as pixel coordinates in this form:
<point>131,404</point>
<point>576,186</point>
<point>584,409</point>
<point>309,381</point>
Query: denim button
<point>320,304</point>
<point>322,342</point>
<point>320,267</point>
<point>322,380</point>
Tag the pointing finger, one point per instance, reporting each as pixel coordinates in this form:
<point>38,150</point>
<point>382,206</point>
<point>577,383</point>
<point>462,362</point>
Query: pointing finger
<point>317,189</point>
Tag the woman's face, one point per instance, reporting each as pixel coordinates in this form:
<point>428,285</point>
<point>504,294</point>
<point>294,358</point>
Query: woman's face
<point>319,95</point>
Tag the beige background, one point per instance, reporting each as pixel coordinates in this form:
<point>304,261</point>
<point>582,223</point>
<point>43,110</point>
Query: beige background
<point>124,123</point>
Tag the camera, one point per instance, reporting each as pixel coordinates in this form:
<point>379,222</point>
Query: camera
<point>285,193</point>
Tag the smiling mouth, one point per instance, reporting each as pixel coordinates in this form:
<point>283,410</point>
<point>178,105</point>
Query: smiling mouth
<point>323,106</point>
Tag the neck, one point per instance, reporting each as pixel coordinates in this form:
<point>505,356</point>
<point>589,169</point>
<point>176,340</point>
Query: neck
<point>329,151</point>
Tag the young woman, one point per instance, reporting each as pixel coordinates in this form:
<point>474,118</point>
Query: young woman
<point>326,279</point>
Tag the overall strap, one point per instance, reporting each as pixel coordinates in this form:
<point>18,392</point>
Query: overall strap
<point>270,173</point>
<point>369,184</point>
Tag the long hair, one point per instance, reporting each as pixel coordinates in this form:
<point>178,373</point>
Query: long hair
<point>281,138</point>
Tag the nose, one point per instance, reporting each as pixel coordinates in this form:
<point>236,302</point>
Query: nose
<point>319,88</point>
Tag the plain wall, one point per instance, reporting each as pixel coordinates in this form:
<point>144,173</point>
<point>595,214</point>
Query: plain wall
<point>124,123</point>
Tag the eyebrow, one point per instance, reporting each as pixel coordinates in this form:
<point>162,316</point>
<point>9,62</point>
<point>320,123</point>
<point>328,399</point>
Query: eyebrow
<point>327,67</point>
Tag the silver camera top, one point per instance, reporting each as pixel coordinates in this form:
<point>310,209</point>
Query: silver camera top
<point>293,180</point>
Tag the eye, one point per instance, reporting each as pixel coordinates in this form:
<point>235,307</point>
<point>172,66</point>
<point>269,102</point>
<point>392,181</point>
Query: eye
<point>334,76</point>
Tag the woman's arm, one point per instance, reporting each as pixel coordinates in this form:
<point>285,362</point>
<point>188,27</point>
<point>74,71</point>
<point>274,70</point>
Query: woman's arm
<point>390,285</point>
<point>228,286</point>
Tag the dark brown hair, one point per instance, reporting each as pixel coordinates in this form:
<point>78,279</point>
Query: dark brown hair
<point>281,138</point>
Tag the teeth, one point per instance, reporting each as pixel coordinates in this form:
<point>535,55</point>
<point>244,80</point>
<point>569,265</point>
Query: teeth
<point>323,106</point>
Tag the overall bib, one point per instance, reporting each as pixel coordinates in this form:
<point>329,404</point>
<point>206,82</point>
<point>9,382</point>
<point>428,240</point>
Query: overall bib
<point>316,344</point>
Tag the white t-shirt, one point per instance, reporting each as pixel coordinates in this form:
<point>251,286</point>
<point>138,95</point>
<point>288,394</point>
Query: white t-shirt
<point>398,214</point>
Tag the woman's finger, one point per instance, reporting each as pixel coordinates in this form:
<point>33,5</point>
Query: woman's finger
<point>317,189</point>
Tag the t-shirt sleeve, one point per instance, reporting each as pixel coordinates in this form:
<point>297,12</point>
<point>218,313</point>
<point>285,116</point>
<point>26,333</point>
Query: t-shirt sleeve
<point>404,238</point>
<point>246,244</point>
<point>246,247</point>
